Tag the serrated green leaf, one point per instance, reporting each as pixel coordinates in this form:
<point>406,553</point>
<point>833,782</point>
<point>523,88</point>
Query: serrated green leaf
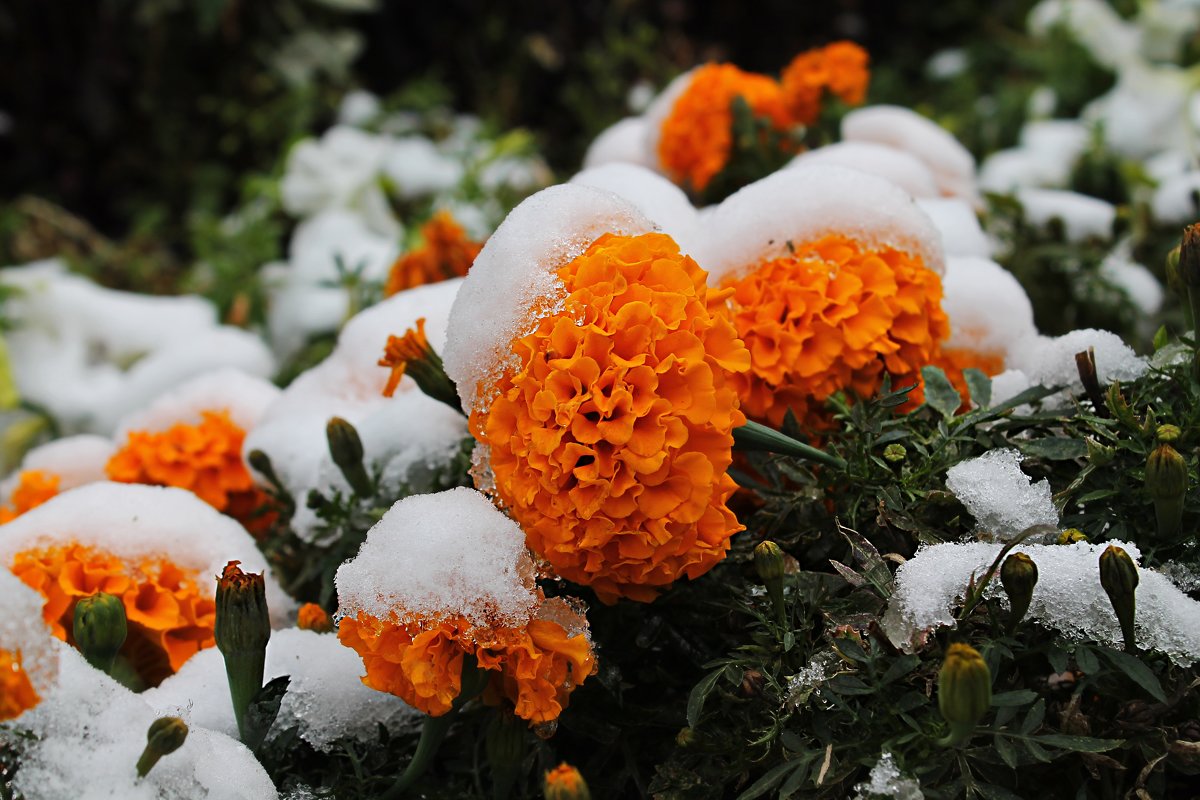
<point>1137,671</point>
<point>699,694</point>
<point>940,394</point>
<point>979,385</point>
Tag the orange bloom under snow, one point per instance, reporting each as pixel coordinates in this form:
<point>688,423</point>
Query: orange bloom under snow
<point>834,316</point>
<point>34,487</point>
<point>446,253</point>
<point>535,667</point>
<point>169,619</point>
<point>697,135</point>
<point>205,459</point>
<point>400,350</point>
<point>609,442</point>
<point>839,68</point>
<point>17,694</point>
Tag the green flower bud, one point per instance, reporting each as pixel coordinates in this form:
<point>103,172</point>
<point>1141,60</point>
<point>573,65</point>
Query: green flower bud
<point>100,629</point>
<point>1167,483</point>
<point>964,691</point>
<point>769,563</point>
<point>242,629</point>
<point>1119,577</point>
<point>260,462</point>
<point>1071,536</point>
<point>894,453</point>
<point>1174,281</point>
<point>165,736</point>
<point>346,448</point>
<point>1189,256</point>
<point>1018,576</point>
<point>1168,433</point>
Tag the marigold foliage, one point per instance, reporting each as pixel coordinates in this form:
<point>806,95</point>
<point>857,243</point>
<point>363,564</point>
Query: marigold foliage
<point>839,68</point>
<point>609,442</point>
<point>169,619</point>
<point>17,694</point>
<point>832,316</point>
<point>535,667</point>
<point>447,252</point>
<point>697,136</point>
<point>34,487</point>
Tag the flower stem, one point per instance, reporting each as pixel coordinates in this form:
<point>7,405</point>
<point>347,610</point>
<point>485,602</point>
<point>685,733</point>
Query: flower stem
<point>245,672</point>
<point>753,437</point>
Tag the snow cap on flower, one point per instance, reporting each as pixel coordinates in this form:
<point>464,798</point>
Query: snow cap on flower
<point>990,314</point>
<point>623,142</point>
<point>51,468</point>
<point>955,219</point>
<point>1045,157</point>
<point>654,196</point>
<point>244,397</point>
<point>901,168</point>
<point>1083,217</point>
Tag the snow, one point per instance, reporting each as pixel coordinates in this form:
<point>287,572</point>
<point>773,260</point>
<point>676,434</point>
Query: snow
<point>417,167</point>
<point>1174,200</point>
<point>900,167</point>
<point>1051,361</point>
<point>961,232</point>
<point>1083,217</point>
<point>654,196</point>
<point>804,204</point>
<point>1049,150</point>
<point>1138,283</point>
<point>22,630</point>
<point>988,309</point>
<point>76,460</point>
<point>885,780</point>
<point>438,555</point>
<point>244,397</point>
<point>999,495</point>
<point>514,277</point>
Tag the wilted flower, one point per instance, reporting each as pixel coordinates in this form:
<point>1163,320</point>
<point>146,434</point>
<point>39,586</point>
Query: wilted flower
<point>446,253</point>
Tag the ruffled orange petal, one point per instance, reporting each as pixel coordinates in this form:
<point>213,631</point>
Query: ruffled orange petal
<point>447,252</point>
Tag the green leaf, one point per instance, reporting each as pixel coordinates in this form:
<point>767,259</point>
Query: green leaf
<point>980,386</point>
<point>797,778</point>
<point>1006,751</point>
<point>767,782</point>
<point>1035,716</point>
<point>848,685</point>
<point>1138,672</point>
<point>1054,448</point>
<point>1019,697</point>
<point>1037,751</point>
<point>1161,337</point>
<point>990,791</point>
<point>851,649</point>
<point>940,395</point>
<point>875,569</point>
<point>1079,744</point>
<point>899,668</point>
<point>699,694</point>
<point>10,398</point>
<point>262,710</point>
<point>1087,661</point>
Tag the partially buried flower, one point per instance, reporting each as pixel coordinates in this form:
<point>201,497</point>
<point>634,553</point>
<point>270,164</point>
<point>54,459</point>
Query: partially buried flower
<point>52,468</point>
<point>447,252</point>
<point>33,488</point>
<point>28,662</point>
<point>607,412</point>
<point>446,576</point>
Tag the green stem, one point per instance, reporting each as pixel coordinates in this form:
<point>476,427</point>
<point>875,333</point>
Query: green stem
<point>959,734</point>
<point>245,672</point>
<point>1168,512</point>
<point>753,437</point>
<point>1193,293</point>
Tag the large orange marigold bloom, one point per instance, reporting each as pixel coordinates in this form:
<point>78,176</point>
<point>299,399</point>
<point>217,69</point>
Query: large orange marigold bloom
<point>205,459</point>
<point>535,667</point>
<point>447,252</point>
<point>610,439</point>
<point>839,68</point>
<point>697,135</point>
<point>17,694</point>
<point>34,487</point>
<point>834,315</point>
<point>169,619</point>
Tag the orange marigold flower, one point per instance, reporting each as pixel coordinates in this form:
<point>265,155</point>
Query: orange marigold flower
<point>446,253</point>
<point>831,316</point>
<point>34,487</point>
<point>697,135</point>
<point>169,619</point>
<point>205,459</point>
<point>400,350</point>
<point>565,783</point>
<point>610,437</point>
<point>17,694</point>
<point>535,667</point>
<point>314,618</point>
<point>839,68</point>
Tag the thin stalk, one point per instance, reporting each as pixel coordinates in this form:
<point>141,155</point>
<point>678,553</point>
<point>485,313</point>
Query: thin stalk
<point>753,437</point>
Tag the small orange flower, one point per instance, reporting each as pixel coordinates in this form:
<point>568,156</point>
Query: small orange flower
<point>205,459</point>
<point>535,667</point>
<point>697,135</point>
<point>314,618</point>
<point>446,253</point>
<point>17,694</point>
<point>169,620</point>
<point>610,438</point>
<point>834,316</point>
<point>400,350</point>
<point>565,783</point>
<point>839,68</point>
<point>34,487</point>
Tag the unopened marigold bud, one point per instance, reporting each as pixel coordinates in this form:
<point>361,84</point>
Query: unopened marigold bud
<point>1189,256</point>
<point>1168,433</point>
<point>312,617</point>
<point>1174,281</point>
<point>100,629</point>
<point>346,448</point>
<point>894,453</point>
<point>565,783</point>
<point>1167,483</point>
<point>769,564</point>
<point>964,691</point>
<point>242,630</point>
<point>260,462</point>
<point>1071,536</point>
<point>165,736</point>
<point>1018,576</point>
<point>1119,577</point>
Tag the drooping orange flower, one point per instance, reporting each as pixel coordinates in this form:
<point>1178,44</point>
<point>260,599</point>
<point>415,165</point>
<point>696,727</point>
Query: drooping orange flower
<point>400,350</point>
<point>205,459</point>
<point>447,252</point>
<point>34,487</point>
<point>312,617</point>
<point>535,667</point>
<point>697,135</point>
<point>834,316</point>
<point>839,68</point>
<point>169,618</point>
<point>610,437</point>
<point>17,694</point>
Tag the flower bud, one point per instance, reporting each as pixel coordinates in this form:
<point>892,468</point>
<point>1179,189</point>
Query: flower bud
<point>769,564</point>
<point>1189,256</point>
<point>1119,577</point>
<point>165,736</point>
<point>1071,536</point>
<point>1018,576</point>
<point>894,453</point>
<point>314,618</point>
<point>964,691</point>
<point>260,462</point>
<point>565,783</point>
<point>100,629</point>
<point>346,448</point>
<point>1171,269</point>
<point>1167,433</point>
<point>1167,483</point>
<point>242,629</point>
<point>412,355</point>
